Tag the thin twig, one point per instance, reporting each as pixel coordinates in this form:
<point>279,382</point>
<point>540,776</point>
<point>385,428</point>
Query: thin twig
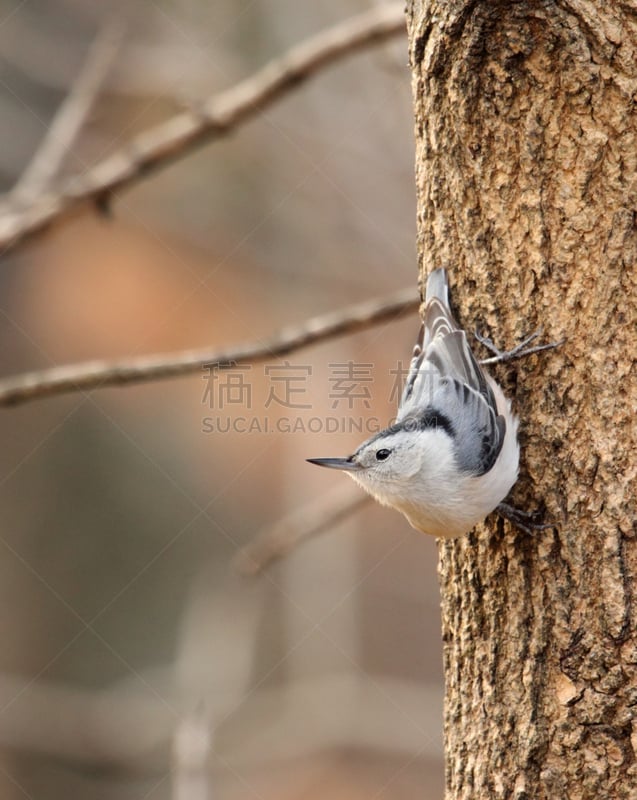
<point>100,374</point>
<point>70,117</point>
<point>116,725</point>
<point>279,539</point>
<point>217,116</point>
<point>191,754</point>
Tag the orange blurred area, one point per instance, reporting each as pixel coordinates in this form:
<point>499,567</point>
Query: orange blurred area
<point>105,288</point>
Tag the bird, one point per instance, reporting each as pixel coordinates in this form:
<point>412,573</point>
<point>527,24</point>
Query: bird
<point>452,454</point>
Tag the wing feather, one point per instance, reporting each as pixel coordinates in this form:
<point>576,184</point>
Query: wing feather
<point>445,378</point>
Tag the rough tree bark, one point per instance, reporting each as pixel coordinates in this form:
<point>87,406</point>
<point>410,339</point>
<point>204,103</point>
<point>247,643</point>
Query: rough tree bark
<point>526,130</point>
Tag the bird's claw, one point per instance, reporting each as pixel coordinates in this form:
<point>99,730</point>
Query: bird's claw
<point>524,520</point>
<point>519,351</point>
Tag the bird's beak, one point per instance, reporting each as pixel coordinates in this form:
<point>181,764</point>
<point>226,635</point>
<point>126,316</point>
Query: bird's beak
<point>336,463</point>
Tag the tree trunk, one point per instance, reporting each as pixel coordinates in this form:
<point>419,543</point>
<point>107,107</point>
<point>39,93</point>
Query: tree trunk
<point>526,131</point>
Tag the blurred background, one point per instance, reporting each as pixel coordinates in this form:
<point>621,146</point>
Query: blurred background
<point>137,661</point>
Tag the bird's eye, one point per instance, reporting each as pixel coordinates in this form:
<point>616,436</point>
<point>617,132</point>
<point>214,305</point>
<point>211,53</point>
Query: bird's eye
<point>381,455</point>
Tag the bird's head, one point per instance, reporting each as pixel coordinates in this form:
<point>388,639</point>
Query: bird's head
<point>393,465</point>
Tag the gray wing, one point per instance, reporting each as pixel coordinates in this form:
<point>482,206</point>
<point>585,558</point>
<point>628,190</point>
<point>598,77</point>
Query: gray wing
<point>447,387</point>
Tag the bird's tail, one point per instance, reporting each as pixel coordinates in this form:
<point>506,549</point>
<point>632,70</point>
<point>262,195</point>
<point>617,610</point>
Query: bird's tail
<point>439,319</point>
<point>438,286</point>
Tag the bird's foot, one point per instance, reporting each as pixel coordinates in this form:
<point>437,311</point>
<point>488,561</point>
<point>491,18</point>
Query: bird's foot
<point>528,522</point>
<point>521,350</point>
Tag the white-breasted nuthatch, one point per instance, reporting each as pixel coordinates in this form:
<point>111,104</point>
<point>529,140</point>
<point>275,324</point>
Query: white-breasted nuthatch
<point>452,455</point>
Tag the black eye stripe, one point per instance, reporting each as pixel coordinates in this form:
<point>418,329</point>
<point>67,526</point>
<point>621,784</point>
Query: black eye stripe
<point>381,455</point>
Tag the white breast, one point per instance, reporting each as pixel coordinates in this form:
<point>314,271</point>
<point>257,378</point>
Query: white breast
<point>451,503</point>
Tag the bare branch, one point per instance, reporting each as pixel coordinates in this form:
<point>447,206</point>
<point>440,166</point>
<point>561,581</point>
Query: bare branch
<point>217,117</point>
<point>100,374</point>
<point>71,115</point>
<point>115,725</point>
<point>286,534</point>
<point>123,727</point>
<point>191,752</point>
